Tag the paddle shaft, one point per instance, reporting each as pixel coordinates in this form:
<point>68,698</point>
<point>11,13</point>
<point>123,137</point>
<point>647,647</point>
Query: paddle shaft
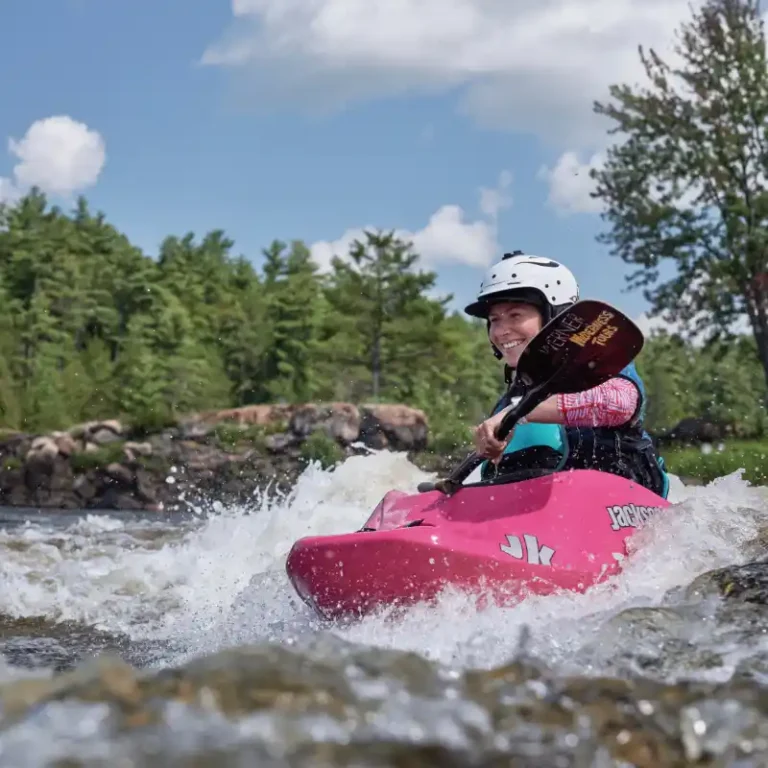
<point>535,396</point>
<point>579,349</point>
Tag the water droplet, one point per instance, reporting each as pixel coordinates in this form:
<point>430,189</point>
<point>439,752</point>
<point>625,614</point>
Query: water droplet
<point>645,707</point>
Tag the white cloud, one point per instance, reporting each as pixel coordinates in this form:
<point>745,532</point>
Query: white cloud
<point>494,200</point>
<point>529,65</point>
<point>57,154</point>
<point>570,183</point>
<point>447,238</point>
<point>323,251</point>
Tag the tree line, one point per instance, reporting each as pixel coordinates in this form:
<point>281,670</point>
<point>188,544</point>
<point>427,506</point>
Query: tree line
<point>91,327</point>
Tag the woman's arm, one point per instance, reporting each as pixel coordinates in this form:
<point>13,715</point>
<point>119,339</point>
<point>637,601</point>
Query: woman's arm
<point>611,404</point>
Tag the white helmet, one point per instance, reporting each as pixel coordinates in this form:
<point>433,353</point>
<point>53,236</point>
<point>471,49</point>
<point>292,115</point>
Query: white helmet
<point>533,279</point>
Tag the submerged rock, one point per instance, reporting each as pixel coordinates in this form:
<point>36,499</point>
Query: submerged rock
<point>324,704</point>
<point>747,583</point>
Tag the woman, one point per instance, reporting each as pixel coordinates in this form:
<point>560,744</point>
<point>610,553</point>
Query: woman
<point>600,428</point>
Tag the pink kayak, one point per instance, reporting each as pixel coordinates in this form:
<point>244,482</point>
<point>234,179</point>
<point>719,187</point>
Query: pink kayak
<point>504,541</point>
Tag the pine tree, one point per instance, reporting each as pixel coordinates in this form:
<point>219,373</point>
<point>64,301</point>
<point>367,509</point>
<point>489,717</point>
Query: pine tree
<point>293,294</point>
<point>382,321</point>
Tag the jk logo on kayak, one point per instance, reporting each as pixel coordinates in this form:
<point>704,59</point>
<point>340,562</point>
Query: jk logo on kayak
<point>630,515</point>
<point>536,555</point>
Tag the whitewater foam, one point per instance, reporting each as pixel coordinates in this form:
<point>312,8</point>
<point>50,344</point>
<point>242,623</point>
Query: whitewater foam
<point>220,581</point>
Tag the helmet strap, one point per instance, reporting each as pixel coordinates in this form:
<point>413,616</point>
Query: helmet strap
<point>496,352</point>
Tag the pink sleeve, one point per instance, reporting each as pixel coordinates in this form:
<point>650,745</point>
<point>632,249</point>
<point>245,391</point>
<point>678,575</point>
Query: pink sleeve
<point>609,405</point>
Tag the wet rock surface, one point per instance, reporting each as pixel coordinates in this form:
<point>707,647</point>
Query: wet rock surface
<point>325,702</point>
<point>746,583</point>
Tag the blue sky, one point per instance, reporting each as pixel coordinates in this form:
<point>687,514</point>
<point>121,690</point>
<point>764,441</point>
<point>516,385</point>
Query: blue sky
<point>313,118</point>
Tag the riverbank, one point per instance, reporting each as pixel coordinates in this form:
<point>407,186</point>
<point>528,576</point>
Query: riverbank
<point>222,455</point>
<point>703,463</point>
<point>227,455</point>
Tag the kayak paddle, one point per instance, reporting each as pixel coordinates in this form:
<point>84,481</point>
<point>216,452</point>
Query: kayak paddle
<point>584,346</point>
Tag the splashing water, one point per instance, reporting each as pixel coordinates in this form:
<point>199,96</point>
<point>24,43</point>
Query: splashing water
<point>195,588</point>
<point>220,581</point>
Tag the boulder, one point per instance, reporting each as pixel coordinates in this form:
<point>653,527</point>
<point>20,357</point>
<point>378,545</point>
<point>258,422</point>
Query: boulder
<point>65,443</point>
<point>115,498</point>
<point>45,469</point>
<point>120,474</point>
<point>147,486</point>
<point>42,450</point>
<point>131,450</point>
<point>281,441</point>
<point>81,431</point>
<point>341,421</point>
<point>193,430</point>
<point>103,436</point>
<point>248,415</point>
<point>694,430</point>
<point>398,427</point>
<point>84,488</point>
<point>51,471</point>
<point>87,431</point>
<point>745,583</point>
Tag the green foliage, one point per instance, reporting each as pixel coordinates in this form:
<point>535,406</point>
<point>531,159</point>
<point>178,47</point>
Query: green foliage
<point>722,383</point>
<point>81,461</point>
<point>293,307</point>
<point>451,438</point>
<point>381,326</point>
<point>11,463</point>
<point>92,328</point>
<point>752,457</point>
<point>322,448</point>
<point>448,419</point>
<point>230,436</point>
<point>686,185</point>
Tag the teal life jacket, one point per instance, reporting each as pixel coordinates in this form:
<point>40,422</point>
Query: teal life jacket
<point>626,450</point>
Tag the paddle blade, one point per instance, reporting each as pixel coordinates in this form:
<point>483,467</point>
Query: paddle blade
<point>580,348</point>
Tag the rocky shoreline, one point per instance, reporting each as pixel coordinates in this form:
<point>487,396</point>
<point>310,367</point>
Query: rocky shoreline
<point>221,455</point>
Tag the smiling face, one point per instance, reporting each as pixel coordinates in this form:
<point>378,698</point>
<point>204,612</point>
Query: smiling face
<point>512,325</point>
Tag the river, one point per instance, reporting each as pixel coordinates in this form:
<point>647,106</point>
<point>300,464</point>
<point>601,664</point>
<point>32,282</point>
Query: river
<point>139,640</point>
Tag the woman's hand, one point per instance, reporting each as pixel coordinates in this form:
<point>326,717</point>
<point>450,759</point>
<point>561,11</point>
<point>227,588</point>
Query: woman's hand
<point>486,442</point>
